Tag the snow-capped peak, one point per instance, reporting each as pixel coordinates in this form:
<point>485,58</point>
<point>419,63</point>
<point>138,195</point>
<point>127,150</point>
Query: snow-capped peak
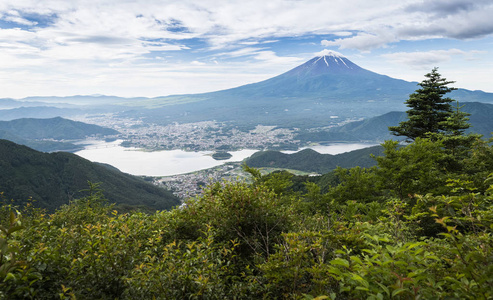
<point>327,52</point>
<point>332,56</point>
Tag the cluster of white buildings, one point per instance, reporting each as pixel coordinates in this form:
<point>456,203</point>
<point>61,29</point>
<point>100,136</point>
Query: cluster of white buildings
<point>190,185</point>
<point>207,135</point>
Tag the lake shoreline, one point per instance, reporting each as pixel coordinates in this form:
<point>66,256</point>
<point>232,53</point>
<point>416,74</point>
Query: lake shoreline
<point>142,162</point>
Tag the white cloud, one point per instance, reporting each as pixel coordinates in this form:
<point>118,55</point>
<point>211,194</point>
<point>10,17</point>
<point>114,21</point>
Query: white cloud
<point>14,16</point>
<point>470,69</point>
<point>247,51</point>
<point>362,41</point>
<point>342,33</point>
<point>235,23</point>
<point>16,35</point>
<point>198,63</point>
<point>261,54</point>
<point>423,59</point>
<point>68,40</point>
<point>273,58</point>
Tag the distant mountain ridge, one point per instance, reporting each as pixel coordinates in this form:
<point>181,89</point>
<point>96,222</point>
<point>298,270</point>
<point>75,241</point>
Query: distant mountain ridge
<point>304,97</point>
<point>52,179</point>
<point>56,128</point>
<point>38,112</point>
<point>324,91</point>
<point>46,134</point>
<point>44,146</point>
<point>372,129</point>
<point>376,128</point>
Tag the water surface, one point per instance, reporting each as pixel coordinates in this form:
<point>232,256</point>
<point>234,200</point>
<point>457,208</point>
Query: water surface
<point>172,162</point>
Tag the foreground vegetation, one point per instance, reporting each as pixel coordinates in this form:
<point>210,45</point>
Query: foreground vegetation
<point>418,225</point>
<point>407,229</point>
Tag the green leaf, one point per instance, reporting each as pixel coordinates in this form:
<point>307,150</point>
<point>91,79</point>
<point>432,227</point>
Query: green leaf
<point>432,257</point>
<point>384,288</point>
<point>335,271</point>
<point>356,259</point>
<point>340,262</point>
<point>15,228</point>
<point>9,276</point>
<point>360,280</point>
<point>12,217</point>
<point>414,245</point>
<point>397,292</point>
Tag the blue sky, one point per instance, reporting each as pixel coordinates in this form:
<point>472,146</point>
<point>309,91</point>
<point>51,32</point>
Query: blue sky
<point>155,48</point>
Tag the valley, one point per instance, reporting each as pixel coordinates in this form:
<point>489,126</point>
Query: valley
<point>197,136</point>
<point>227,150</point>
<point>169,188</point>
<point>174,139</point>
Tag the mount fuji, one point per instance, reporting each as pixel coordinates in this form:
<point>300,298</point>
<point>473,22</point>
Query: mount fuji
<point>330,76</point>
<point>328,89</point>
<point>324,91</point>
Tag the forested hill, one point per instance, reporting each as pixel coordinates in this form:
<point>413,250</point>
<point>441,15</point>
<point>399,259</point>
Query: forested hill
<point>52,179</point>
<point>309,160</point>
<point>40,145</point>
<point>376,128</point>
<point>54,128</point>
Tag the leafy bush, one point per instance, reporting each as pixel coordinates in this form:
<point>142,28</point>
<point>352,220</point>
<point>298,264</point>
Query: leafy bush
<point>264,240</point>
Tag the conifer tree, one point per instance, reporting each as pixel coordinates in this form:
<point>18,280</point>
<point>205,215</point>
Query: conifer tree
<point>455,141</point>
<point>429,109</point>
<point>454,137</point>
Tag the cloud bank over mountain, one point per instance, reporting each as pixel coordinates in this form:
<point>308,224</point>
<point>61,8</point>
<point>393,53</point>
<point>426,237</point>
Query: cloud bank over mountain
<point>132,47</point>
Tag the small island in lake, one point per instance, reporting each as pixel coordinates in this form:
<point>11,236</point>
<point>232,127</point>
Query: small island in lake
<point>221,155</point>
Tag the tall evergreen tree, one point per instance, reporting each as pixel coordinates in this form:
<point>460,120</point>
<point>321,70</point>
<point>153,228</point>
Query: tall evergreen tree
<point>429,108</point>
<point>456,142</point>
<point>454,138</point>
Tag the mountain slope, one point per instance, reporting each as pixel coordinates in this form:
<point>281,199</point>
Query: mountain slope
<point>55,128</point>
<point>52,179</point>
<point>331,76</point>
<point>37,112</point>
<point>309,160</point>
<point>306,96</point>
<point>324,91</point>
<point>44,146</point>
<point>376,128</point>
<point>303,97</point>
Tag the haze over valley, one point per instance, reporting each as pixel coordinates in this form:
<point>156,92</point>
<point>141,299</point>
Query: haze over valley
<point>325,100</point>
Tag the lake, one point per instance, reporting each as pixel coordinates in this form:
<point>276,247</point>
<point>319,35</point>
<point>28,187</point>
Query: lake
<point>173,162</point>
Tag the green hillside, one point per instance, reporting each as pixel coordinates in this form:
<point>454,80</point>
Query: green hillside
<point>44,146</point>
<point>38,112</point>
<point>409,228</point>
<point>376,128</point>
<point>55,128</point>
<point>309,160</point>
<point>53,179</point>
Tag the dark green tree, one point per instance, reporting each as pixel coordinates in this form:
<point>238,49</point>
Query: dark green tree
<point>429,109</point>
<point>413,169</point>
<point>456,142</point>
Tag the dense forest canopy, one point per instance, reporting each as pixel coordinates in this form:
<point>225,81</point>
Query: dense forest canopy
<point>53,179</point>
